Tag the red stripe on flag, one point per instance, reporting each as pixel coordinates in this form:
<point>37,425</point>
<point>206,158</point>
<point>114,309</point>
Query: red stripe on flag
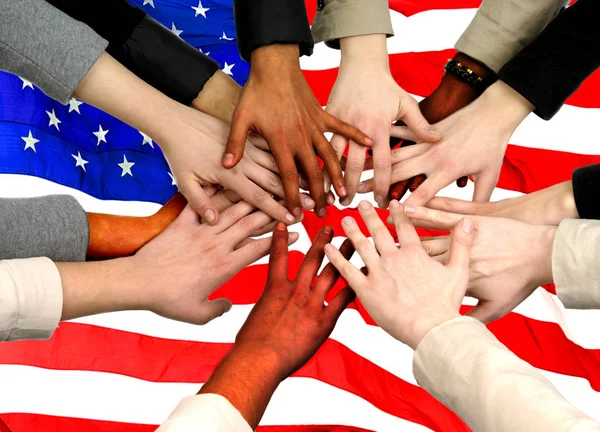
<point>37,422</point>
<point>420,73</point>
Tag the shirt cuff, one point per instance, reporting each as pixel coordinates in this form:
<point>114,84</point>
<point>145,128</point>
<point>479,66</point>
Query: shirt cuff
<point>205,412</point>
<point>32,299</point>
<point>586,184</point>
<point>346,18</point>
<point>575,269</point>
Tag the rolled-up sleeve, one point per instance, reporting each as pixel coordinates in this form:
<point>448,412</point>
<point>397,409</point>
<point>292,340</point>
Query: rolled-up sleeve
<point>346,18</point>
<point>31,299</point>
<point>502,28</point>
<point>43,45</point>
<point>206,413</point>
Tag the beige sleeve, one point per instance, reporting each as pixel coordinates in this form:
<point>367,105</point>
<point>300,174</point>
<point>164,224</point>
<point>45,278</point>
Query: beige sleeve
<point>502,28</point>
<point>31,299</point>
<point>576,263</point>
<point>344,18</point>
<point>467,369</point>
<point>206,413</point>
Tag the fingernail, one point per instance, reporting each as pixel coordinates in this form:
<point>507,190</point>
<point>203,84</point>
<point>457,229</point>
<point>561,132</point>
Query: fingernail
<point>321,212</point>
<point>394,204</point>
<point>467,225</point>
<point>410,210</point>
<point>364,205</point>
<point>280,226</point>
<point>308,202</point>
<point>290,217</point>
<point>343,191</point>
<point>390,221</point>
<point>361,187</point>
<point>297,212</point>
<point>345,202</point>
<point>369,141</point>
<point>328,230</point>
<point>228,158</point>
<point>379,200</point>
<point>329,248</point>
<point>327,185</point>
<point>209,215</point>
<point>330,200</point>
<point>347,220</point>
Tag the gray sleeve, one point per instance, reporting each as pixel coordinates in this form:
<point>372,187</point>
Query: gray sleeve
<point>54,226</point>
<point>47,47</point>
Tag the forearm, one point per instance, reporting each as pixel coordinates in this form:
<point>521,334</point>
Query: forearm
<point>464,366</point>
<point>247,380</point>
<point>112,88</point>
<point>367,50</point>
<point>98,287</point>
<point>219,97</point>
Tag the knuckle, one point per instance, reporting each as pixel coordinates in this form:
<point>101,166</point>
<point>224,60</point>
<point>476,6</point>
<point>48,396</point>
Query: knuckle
<point>248,223</point>
<point>230,213</point>
<point>363,244</point>
<point>258,248</point>
<point>290,176</point>
<point>259,195</point>
<point>354,164</point>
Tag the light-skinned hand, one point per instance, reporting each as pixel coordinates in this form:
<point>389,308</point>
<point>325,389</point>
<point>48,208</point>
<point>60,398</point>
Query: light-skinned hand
<point>405,291</point>
<point>509,259</point>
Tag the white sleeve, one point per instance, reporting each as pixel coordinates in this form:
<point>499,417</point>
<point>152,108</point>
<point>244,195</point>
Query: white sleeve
<point>31,299</point>
<point>466,368</point>
<point>206,413</point>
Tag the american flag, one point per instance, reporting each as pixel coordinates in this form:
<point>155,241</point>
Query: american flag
<point>126,371</point>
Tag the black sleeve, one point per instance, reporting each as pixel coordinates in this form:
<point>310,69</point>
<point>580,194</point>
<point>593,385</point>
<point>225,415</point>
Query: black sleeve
<point>555,64</point>
<point>586,190</point>
<point>267,22</point>
<point>145,47</point>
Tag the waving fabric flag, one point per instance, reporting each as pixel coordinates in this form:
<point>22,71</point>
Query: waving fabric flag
<point>126,371</point>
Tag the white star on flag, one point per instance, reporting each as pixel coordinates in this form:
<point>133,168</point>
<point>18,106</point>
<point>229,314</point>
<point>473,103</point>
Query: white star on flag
<point>30,142</point>
<point>79,161</point>
<point>174,29</point>
<point>26,84</point>
<point>54,121</point>
<point>126,166</point>
<point>205,53</point>
<point>225,37</point>
<point>74,105</point>
<point>227,68</point>
<point>172,179</point>
<point>147,139</point>
<point>101,135</point>
<point>200,10</point>
<point>150,2</point>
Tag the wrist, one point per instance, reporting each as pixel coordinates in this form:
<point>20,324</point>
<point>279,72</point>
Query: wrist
<point>273,60</point>
<point>566,202</point>
<point>219,97</point>
<point>365,51</point>
<point>540,261</point>
<point>506,103</point>
<point>424,325</point>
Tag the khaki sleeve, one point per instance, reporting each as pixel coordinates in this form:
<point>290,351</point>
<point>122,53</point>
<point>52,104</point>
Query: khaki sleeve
<point>576,263</point>
<point>206,413</point>
<point>31,299</point>
<point>466,368</point>
<point>502,28</point>
<point>345,18</point>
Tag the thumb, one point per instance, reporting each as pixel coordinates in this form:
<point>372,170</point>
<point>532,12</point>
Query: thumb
<point>484,311</point>
<point>236,142</point>
<point>209,310</point>
<point>201,203</point>
<point>460,246</point>
<point>413,118</point>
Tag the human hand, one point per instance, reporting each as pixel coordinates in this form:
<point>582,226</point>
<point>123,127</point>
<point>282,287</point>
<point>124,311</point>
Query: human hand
<point>189,261</point>
<point>504,268</point>
<point>474,141</point>
<point>278,104</point>
<point>290,320</point>
<point>451,95</point>
<point>544,207</point>
<point>366,96</point>
<point>405,291</point>
<point>193,145</point>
